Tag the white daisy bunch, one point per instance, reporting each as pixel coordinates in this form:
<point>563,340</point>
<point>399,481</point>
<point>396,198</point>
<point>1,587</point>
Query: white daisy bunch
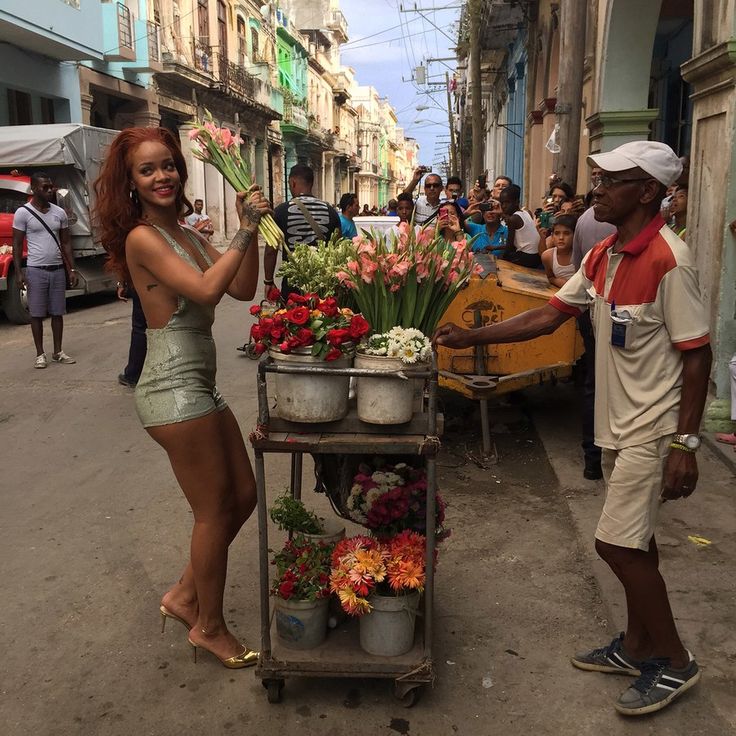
<point>407,343</point>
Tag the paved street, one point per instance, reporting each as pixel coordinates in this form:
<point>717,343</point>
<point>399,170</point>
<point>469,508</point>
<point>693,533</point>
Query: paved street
<point>94,528</point>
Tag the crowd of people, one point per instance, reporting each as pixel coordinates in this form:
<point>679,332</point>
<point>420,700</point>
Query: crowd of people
<point>621,270</point>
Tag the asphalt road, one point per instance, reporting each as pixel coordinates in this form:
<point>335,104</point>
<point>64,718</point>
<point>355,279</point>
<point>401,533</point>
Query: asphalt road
<point>94,529</point>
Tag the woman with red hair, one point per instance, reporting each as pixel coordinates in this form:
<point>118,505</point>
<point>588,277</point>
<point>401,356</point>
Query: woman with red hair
<point>180,278</point>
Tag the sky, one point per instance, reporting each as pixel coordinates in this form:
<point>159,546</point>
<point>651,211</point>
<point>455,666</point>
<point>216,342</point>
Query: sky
<point>384,48</point>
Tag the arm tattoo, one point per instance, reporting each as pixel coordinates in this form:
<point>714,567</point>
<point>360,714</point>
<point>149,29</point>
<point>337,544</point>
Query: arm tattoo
<point>241,241</point>
<point>250,216</point>
<point>150,286</point>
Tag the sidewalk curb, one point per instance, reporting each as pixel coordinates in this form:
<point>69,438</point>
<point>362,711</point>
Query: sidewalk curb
<point>725,453</point>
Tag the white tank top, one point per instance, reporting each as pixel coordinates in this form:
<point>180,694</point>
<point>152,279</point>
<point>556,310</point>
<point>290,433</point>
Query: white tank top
<point>561,272</point>
<point>526,238</point>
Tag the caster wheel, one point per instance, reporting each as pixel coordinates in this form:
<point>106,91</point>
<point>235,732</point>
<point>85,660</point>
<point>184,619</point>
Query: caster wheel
<point>250,351</point>
<point>273,690</point>
<point>408,698</point>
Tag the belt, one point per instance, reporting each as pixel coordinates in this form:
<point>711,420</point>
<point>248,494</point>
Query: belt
<point>49,268</point>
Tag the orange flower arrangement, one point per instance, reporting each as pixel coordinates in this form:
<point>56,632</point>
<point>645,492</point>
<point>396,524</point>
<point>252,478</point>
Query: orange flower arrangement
<point>362,565</point>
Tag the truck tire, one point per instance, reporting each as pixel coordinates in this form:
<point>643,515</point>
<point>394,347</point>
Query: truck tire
<point>13,306</point>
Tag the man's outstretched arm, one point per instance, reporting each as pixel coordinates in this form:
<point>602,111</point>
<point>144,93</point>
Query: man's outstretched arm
<point>525,326</point>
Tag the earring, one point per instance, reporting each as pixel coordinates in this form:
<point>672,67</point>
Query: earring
<point>134,196</point>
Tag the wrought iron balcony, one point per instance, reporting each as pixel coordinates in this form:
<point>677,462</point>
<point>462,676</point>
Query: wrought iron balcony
<point>338,25</point>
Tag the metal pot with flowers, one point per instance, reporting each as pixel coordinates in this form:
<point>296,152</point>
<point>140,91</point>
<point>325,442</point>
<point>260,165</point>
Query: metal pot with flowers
<point>390,400</point>
<point>307,330</point>
<point>301,589</point>
<point>380,581</point>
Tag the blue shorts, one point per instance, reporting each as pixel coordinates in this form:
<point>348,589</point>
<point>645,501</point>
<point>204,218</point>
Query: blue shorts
<point>46,291</point>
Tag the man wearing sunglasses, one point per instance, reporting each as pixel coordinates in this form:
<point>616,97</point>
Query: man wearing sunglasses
<point>652,365</point>
<point>428,204</point>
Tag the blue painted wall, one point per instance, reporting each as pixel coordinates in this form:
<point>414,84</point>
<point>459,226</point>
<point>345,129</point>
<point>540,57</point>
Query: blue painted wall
<point>516,111</point>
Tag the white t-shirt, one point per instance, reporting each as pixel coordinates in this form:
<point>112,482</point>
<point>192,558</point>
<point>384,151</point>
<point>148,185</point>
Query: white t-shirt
<point>42,250</point>
<point>194,218</point>
<point>423,210</point>
<point>526,239</point>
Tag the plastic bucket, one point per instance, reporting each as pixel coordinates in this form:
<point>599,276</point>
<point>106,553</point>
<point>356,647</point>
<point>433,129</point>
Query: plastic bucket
<point>301,624</point>
<point>388,629</point>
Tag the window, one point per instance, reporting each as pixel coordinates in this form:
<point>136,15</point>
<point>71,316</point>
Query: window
<point>242,42</point>
<point>254,43</point>
<point>47,110</point>
<point>222,27</point>
<point>19,108</point>
<point>203,22</point>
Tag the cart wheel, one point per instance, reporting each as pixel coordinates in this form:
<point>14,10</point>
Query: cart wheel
<point>273,688</point>
<point>407,698</point>
<point>250,351</point>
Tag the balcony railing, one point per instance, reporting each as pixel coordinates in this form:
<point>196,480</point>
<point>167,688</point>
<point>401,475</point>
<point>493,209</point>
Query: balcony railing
<point>154,41</point>
<point>125,26</point>
<point>234,78</point>
<point>203,57</point>
<point>338,24</point>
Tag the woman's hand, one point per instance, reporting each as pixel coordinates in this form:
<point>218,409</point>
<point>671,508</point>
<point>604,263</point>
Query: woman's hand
<point>251,206</point>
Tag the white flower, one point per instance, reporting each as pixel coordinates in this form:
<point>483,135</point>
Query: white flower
<point>372,495</point>
<point>409,355</point>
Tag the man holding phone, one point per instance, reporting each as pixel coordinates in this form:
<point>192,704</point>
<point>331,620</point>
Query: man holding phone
<point>491,235</point>
<point>427,205</point>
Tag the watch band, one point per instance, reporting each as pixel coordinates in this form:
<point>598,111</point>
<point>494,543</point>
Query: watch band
<point>680,446</point>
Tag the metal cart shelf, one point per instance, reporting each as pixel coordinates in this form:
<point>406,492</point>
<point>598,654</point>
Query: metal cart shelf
<point>340,655</point>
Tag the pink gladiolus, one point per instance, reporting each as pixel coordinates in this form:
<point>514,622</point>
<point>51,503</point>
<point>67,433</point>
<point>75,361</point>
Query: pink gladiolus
<point>354,266</point>
<point>368,269</point>
<point>193,134</point>
<point>226,137</point>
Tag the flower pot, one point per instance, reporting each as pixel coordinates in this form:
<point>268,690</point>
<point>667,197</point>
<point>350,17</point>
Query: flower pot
<point>301,624</point>
<point>307,398</point>
<point>333,532</point>
<point>384,400</point>
<point>388,629</point>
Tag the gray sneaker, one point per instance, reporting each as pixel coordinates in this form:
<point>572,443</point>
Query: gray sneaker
<point>611,659</point>
<point>62,357</point>
<point>658,685</point>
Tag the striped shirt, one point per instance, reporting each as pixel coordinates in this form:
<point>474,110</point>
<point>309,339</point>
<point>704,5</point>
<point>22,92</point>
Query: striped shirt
<point>295,227</point>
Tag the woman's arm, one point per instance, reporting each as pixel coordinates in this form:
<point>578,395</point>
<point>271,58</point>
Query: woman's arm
<point>147,249</point>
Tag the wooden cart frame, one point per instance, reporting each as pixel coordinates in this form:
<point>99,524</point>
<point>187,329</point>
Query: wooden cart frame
<point>340,655</point>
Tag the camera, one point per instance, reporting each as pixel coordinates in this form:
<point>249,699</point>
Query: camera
<point>485,207</point>
<point>425,169</point>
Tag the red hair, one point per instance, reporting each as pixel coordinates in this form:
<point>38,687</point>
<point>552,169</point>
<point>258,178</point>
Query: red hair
<point>116,212</point>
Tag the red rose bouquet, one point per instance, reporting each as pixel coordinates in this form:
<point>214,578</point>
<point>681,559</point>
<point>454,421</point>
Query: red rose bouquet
<point>302,570</point>
<point>306,321</point>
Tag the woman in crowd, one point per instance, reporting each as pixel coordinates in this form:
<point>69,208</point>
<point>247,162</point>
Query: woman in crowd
<point>180,278</point>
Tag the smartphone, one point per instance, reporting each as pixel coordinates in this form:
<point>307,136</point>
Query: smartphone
<point>545,219</point>
<point>482,181</point>
<point>485,207</point>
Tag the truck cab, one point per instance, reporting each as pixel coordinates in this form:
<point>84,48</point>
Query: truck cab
<point>15,190</point>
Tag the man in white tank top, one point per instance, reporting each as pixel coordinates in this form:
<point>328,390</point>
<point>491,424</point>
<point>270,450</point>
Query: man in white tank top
<point>523,242</point>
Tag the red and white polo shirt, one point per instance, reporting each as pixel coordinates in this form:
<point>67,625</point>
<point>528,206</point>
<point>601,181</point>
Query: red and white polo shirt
<point>653,278</point>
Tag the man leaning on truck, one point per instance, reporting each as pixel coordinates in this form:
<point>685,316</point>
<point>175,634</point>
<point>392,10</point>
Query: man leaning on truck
<point>46,230</point>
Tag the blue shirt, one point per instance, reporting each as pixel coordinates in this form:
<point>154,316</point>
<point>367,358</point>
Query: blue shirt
<point>348,227</point>
<point>497,242</point>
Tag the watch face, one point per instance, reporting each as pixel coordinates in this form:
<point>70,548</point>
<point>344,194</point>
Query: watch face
<point>692,441</point>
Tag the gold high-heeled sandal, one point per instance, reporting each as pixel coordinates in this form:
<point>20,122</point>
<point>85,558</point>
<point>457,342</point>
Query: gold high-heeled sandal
<point>165,613</point>
<point>247,658</point>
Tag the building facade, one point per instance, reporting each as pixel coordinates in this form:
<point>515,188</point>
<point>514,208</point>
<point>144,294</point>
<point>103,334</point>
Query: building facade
<point>662,70</point>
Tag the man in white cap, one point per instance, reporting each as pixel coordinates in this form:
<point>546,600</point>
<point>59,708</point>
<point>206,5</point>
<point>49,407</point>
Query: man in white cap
<point>652,365</point>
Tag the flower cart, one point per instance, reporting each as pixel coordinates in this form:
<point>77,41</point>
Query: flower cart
<point>340,654</point>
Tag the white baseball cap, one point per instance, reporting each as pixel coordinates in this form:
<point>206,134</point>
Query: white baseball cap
<point>656,159</point>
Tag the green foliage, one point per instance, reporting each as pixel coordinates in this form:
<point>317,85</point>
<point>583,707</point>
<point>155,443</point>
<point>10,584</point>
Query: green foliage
<point>291,515</point>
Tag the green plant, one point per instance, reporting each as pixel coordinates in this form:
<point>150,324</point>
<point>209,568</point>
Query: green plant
<point>291,515</point>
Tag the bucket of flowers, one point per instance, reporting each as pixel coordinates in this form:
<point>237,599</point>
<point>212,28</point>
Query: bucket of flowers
<point>301,589</point>
<point>308,330</point>
<point>388,499</point>
<point>380,581</point>
<point>391,400</point>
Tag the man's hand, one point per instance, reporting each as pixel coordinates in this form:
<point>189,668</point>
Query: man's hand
<point>73,279</point>
<point>680,475</point>
<point>418,174</point>
<point>451,336</point>
<point>120,291</point>
<point>20,279</point>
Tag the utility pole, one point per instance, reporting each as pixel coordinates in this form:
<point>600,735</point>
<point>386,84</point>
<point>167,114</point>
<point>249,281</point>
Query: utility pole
<point>451,118</point>
<point>474,15</point>
<point>570,87</point>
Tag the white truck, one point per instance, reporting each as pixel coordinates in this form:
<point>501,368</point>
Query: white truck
<point>71,154</point>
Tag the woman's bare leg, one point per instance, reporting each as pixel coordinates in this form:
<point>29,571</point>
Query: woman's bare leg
<point>181,598</point>
<point>196,449</point>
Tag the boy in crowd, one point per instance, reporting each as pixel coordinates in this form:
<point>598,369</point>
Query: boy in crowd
<point>557,259</point>
<point>523,239</point>
<point>349,208</point>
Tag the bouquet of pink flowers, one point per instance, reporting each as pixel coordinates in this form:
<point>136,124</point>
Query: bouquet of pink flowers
<point>408,280</point>
<point>393,498</point>
<point>306,321</point>
<point>361,565</point>
<point>220,147</point>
